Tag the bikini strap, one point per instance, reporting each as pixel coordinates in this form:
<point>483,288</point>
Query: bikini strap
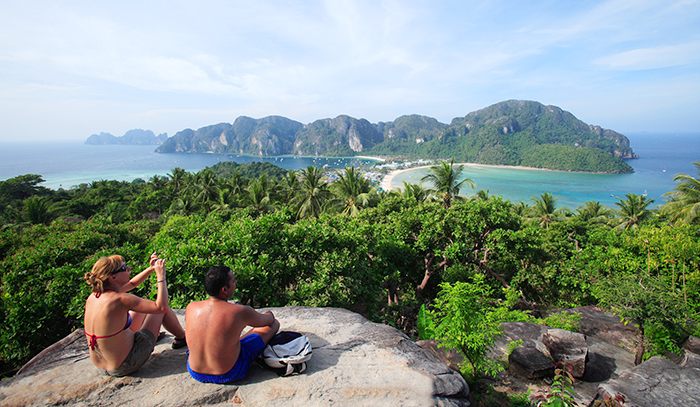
<point>94,338</point>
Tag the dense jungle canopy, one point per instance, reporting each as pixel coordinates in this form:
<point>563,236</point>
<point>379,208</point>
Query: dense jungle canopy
<point>297,238</point>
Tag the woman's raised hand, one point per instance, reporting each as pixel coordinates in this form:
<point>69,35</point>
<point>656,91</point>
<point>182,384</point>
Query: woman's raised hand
<point>153,259</point>
<point>159,267</point>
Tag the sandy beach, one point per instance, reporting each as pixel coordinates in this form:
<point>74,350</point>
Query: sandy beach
<point>368,157</point>
<point>386,182</point>
<point>389,178</point>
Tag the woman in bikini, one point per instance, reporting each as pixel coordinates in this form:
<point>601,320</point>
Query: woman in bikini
<point>121,328</point>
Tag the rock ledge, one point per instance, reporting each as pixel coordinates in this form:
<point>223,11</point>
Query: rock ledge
<point>355,362</point>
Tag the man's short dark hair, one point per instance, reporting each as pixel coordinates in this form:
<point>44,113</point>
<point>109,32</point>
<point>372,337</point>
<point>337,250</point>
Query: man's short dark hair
<point>217,278</point>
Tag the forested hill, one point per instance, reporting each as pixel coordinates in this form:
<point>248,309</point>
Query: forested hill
<point>513,132</point>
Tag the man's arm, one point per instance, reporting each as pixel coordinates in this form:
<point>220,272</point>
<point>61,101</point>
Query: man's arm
<point>256,319</point>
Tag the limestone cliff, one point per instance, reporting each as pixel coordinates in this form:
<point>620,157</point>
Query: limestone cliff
<point>514,132</point>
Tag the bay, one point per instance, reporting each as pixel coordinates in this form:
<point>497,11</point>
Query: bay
<point>662,156</point>
<point>68,164</point>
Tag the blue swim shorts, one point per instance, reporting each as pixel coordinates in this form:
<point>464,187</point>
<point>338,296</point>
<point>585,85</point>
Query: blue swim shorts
<point>252,346</point>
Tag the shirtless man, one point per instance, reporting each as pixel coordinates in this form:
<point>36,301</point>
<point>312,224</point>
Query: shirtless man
<point>214,326</point>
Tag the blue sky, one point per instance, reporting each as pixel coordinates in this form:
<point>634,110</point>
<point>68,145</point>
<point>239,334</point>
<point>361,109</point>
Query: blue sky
<point>69,69</point>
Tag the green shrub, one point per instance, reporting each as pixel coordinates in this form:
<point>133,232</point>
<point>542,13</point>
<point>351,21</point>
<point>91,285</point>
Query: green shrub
<point>43,290</point>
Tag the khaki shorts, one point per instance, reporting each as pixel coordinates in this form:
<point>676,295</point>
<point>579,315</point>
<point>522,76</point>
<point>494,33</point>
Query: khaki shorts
<point>144,343</point>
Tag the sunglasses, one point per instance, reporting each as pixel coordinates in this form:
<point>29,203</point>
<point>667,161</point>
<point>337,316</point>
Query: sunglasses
<point>124,267</point>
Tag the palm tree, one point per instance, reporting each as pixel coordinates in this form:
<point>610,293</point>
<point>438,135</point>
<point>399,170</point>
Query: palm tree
<point>182,206</point>
<point>353,191</point>
<point>482,195</point>
<point>290,185</point>
<point>258,196</point>
<point>157,183</point>
<point>684,203</point>
<point>37,210</point>
<point>178,179</point>
<point>312,194</point>
<point>633,210</point>
<point>236,183</point>
<point>594,212</point>
<point>116,212</point>
<point>415,191</point>
<point>521,209</point>
<point>544,211</point>
<point>206,189</point>
<point>444,178</point>
<point>226,201</point>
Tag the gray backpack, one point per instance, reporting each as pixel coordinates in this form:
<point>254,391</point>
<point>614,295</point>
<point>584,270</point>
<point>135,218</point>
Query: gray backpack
<point>287,353</point>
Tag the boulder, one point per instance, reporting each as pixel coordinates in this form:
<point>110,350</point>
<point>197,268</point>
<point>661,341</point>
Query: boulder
<point>605,361</point>
<point>355,362</point>
<point>567,347</point>
<point>530,334</point>
<point>605,326</point>
<point>692,344</point>
<point>530,363</point>
<point>691,360</point>
<point>656,382</point>
<point>450,357</point>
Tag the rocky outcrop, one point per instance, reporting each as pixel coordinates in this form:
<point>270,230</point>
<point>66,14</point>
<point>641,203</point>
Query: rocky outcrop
<point>343,135</point>
<point>355,362</point>
<point>136,136</point>
<point>530,363</point>
<point>656,382</point>
<point>609,367</point>
<point>594,322</point>
<point>567,347</point>
<point>272,135</point>
<point>623,149</point>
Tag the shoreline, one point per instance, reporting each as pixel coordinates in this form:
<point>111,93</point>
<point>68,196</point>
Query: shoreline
<point>369,157</point>
<point>386,182</point>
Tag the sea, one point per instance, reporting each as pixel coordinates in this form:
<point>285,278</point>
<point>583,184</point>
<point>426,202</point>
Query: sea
<point>662,156</point>
<point>69,164</point>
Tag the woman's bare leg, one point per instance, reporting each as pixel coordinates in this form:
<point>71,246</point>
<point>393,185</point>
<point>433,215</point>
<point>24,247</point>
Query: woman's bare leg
<point>137,319</point>
<point>172,324</point>
<point>152,323</point>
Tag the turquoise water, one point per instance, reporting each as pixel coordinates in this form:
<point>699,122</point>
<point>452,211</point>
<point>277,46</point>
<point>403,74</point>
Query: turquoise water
<point>67,164</point>
<point>661,157</point>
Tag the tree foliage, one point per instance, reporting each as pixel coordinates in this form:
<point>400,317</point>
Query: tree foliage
<point>289,243</point>
<point>684,203</point>
<point>466,319</point>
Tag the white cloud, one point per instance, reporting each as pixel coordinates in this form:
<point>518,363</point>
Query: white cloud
<point>652,58</point>
<point>379,59</point>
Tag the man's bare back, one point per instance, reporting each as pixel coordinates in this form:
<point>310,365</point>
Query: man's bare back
<point>214,327</point>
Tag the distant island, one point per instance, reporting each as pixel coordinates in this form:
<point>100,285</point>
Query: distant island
<point>514,132</point>
<point>136,136</point>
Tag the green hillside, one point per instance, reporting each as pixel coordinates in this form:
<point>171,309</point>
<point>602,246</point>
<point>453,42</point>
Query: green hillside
<point>513,132</point>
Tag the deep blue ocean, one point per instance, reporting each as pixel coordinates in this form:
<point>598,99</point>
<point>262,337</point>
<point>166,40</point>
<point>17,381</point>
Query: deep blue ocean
<point>66,164</point>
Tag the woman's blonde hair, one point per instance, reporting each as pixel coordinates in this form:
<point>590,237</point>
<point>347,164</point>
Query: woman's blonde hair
<point>104,267</point>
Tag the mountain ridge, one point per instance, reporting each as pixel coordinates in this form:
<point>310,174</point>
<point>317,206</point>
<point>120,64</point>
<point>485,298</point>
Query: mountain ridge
<point>135,136</point>
<point>513,132</point>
